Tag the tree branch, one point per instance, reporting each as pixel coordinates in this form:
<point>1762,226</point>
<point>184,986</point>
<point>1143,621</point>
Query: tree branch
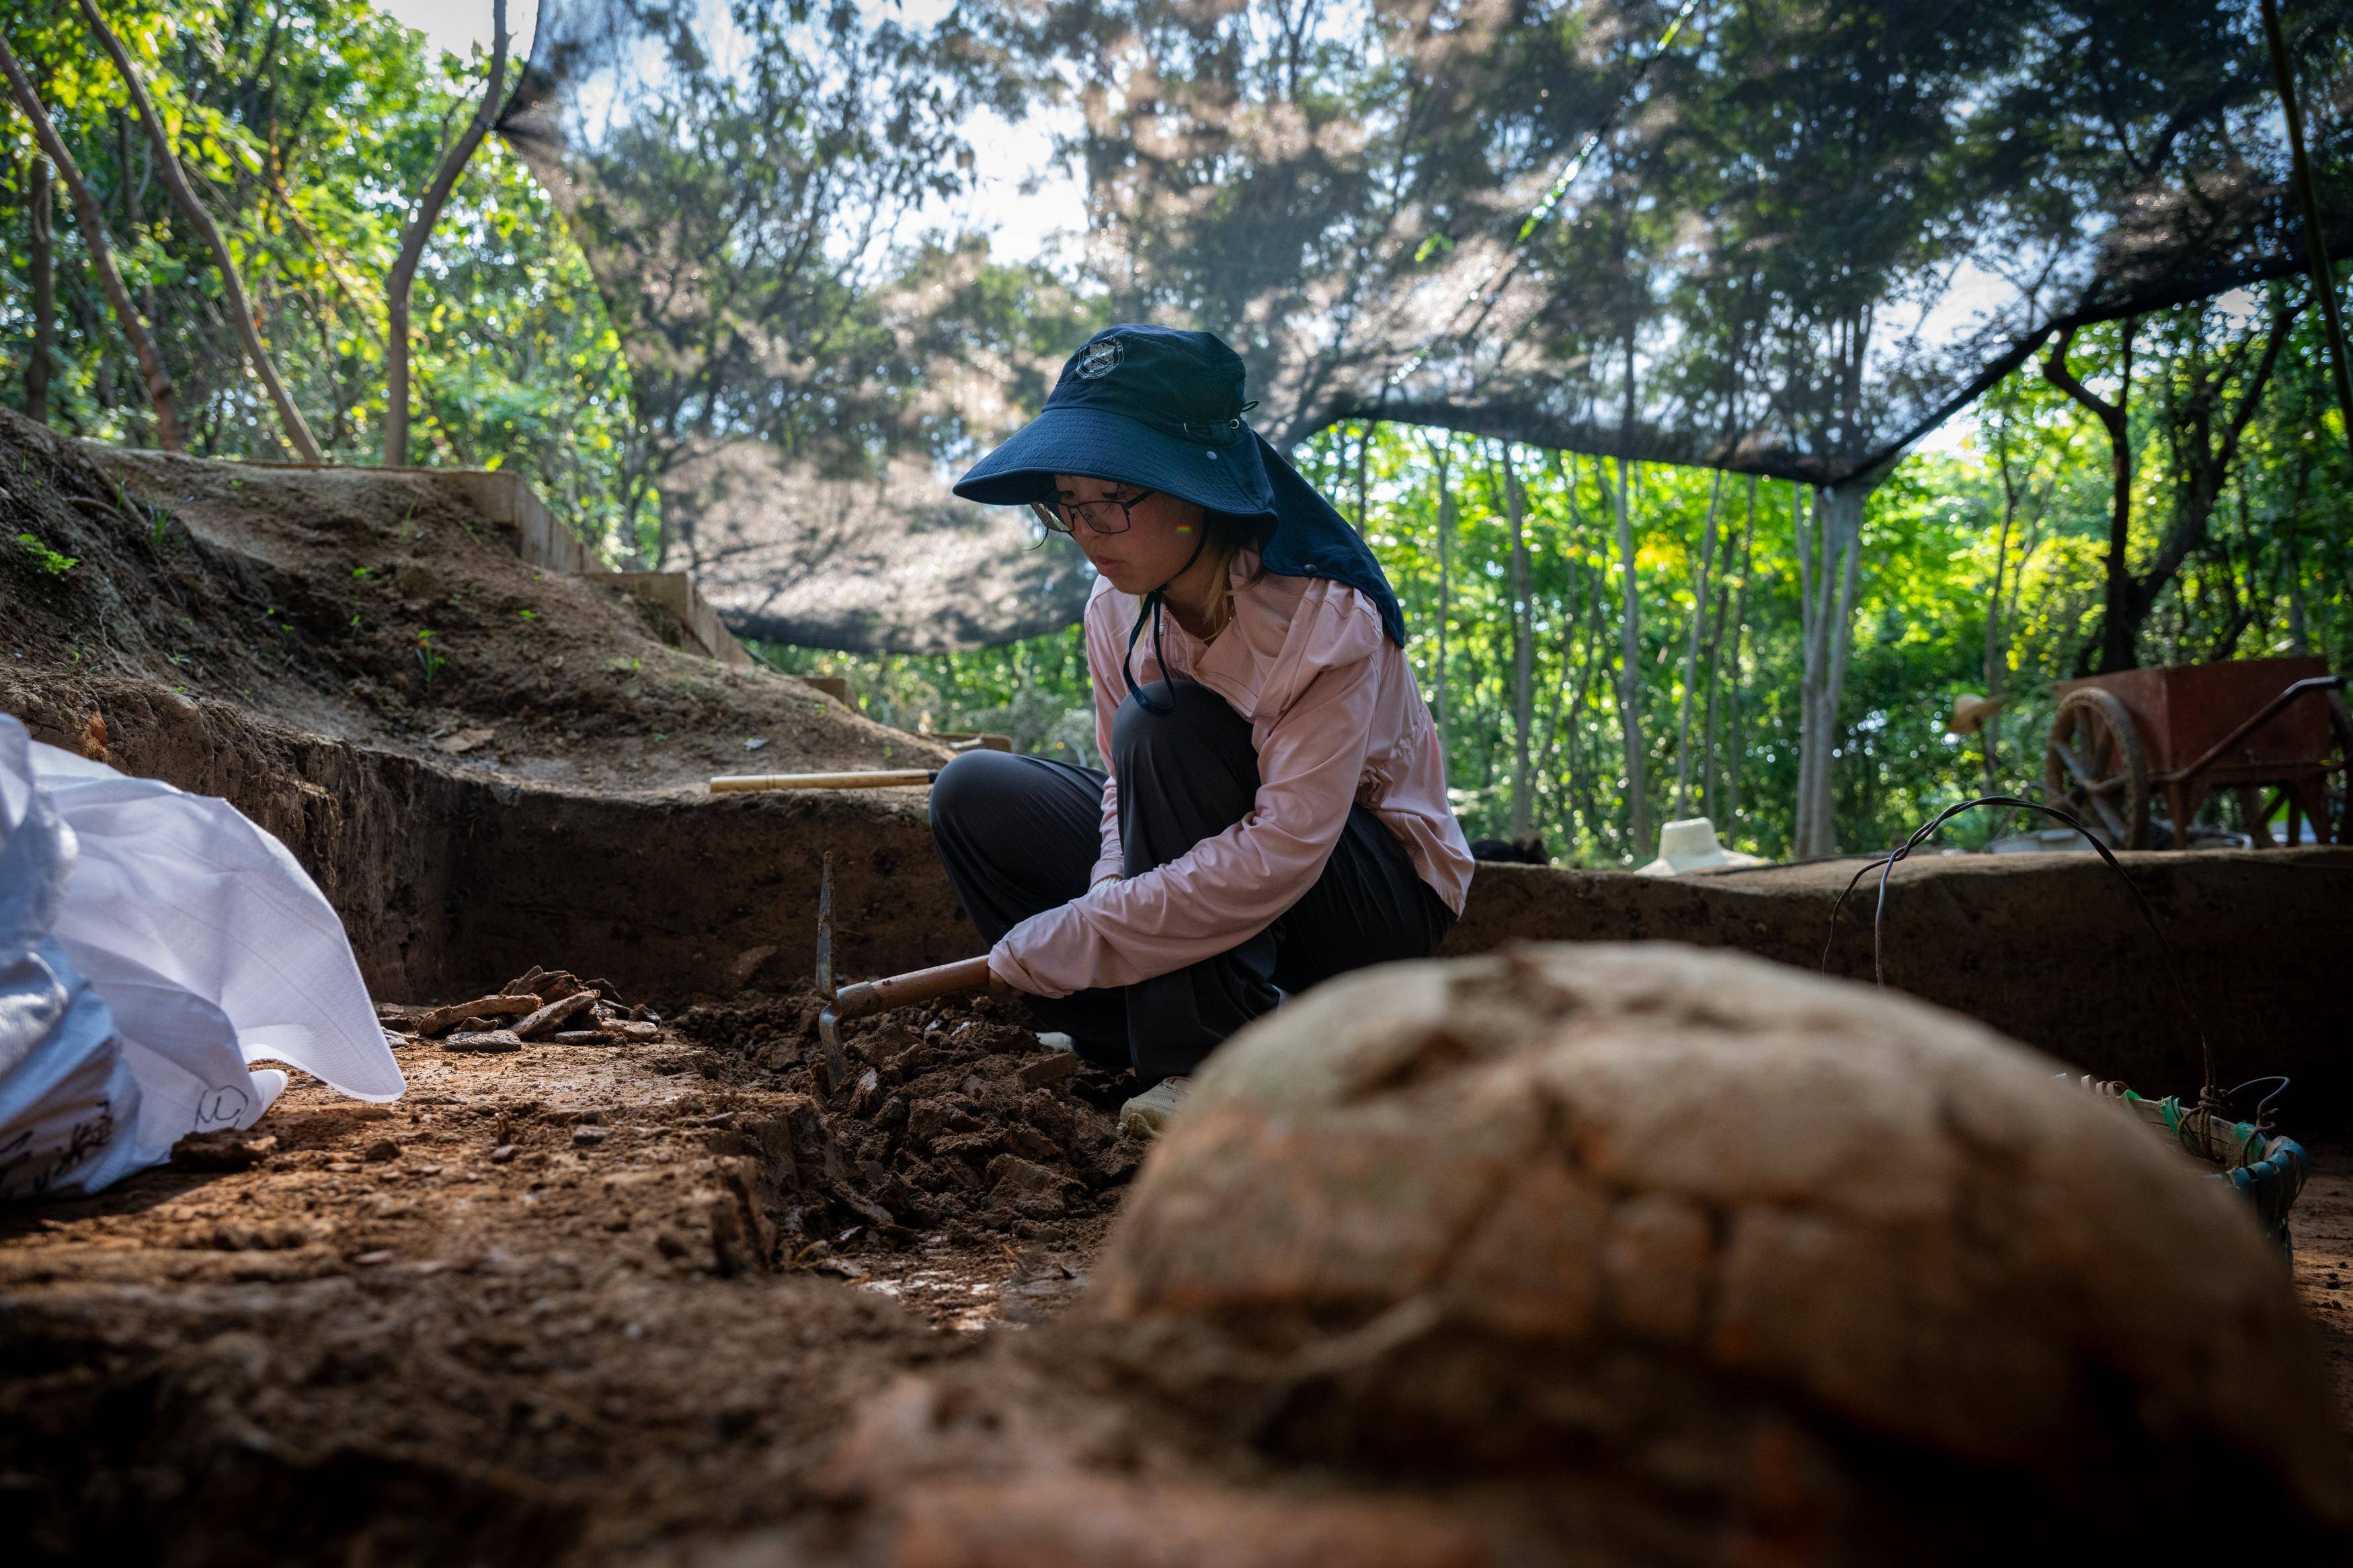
<point>175,180</point>
<point>2191,520</point>
<point>160,392</point>
<point>414,238</point>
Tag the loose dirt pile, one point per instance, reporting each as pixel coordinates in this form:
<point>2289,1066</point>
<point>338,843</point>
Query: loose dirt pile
<point>953,1115</point>
<point>372,607</point>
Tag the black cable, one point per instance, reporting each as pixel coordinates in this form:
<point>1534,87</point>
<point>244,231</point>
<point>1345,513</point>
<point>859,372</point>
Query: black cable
<point>2263,1104</point>
<point>1885,865</point>
<point>1151,607</point>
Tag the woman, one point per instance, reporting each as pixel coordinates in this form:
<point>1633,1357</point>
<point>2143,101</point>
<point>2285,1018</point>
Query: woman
<point>1275,808</point>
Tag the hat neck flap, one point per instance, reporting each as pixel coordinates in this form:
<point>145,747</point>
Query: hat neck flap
<point>1311,539</point>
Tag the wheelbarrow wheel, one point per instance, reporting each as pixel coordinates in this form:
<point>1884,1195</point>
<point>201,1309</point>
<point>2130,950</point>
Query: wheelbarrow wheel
<point>2093,765</point>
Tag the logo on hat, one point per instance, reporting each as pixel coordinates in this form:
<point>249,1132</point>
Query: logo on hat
<point>1099,358</point>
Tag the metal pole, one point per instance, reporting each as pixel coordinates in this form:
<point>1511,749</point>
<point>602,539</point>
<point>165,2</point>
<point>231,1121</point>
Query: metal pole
<point>2323,277</point>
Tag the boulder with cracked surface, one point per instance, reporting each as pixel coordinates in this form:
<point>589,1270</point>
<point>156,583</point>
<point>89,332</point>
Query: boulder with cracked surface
<point>1799,1261</point>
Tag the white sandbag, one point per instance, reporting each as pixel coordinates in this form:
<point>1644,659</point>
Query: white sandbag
<point>67,1095</point>
<point>152,943</point>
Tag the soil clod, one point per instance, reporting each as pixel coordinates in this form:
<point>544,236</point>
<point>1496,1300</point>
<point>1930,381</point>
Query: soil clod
<point>225,1150</point>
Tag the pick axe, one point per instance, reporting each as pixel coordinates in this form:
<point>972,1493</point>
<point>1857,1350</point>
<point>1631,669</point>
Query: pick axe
<point>866,997</point>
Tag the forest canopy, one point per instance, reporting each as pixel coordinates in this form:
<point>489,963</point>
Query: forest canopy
<point>1775,237</point>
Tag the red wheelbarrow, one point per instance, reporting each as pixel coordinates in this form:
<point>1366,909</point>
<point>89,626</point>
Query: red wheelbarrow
<point>2188,730</point>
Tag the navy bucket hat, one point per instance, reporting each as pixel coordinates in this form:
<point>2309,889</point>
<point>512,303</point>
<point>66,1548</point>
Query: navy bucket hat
<point>1162,408</point>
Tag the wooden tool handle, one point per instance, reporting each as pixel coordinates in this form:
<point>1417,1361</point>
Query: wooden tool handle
<point>868,996</point>
<point>880,778</point>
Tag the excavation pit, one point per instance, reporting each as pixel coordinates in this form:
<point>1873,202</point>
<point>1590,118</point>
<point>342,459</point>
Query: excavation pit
<point>600,1302</point>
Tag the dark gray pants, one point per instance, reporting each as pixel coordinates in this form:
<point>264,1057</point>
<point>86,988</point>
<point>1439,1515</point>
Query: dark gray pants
<point>1019,836</point>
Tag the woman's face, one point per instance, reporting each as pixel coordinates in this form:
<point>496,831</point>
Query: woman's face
<point>1160,538</point>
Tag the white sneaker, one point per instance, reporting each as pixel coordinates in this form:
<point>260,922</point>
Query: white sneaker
<point>1143,1116</point>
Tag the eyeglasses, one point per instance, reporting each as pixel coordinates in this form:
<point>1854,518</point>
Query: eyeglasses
<point>1063,517</point>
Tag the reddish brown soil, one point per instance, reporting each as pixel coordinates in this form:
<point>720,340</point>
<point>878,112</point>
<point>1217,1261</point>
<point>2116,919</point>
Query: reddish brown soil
<point>388,1341</point>
<point>557,1304</point>
<point>2322,1228</point>
<point>953,1115</point>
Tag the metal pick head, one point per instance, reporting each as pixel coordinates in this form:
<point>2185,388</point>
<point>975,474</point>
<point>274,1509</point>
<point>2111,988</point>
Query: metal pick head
<point>825,929</point>
<point>832,1066</point>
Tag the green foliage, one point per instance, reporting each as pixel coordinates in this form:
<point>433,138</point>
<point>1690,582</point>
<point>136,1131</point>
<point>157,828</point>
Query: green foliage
<point>40,558</point>
<point>308,127</point>
<point>1035,692</point>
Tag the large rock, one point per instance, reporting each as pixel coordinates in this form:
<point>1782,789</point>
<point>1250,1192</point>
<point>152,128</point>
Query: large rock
<point>1808,1267</point>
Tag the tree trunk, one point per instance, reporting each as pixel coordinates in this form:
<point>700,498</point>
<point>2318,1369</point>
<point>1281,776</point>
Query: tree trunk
<point>125,191</point>
<point>1711,772</point>
<point>1846,536</point>
<point>420,229</point>
<point>175,180</point>
<point>1595,616</point>
<point>1547,754</point>
<point>41,261</point>
<point>2299,639</point>
<point>1700,563</point>
<point>2203,459</point>
<point>1997,657</point>
<point>1803,529</point>
<point>1829,561</point>
<point>1482,740</point>
<point>2116,614</point>
<point>1592,604</point>
<point>1997,643</point>
<point>2315,245</point>
<point>92,224</point>
<point>1630,681</point>
<point>1443,455</point>
<point>1524,647</point>
<point>1364,449</point>
<point>1737,747</point>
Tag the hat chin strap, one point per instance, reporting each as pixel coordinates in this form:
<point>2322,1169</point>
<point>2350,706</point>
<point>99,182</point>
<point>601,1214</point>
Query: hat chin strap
<point>1151,607</point>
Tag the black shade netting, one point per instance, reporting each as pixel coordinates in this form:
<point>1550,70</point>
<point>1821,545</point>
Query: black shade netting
<point>1775,237</point>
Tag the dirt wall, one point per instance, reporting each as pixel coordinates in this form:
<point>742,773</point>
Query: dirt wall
<point>373,829</point>
<point>2049,949</point>
<point>449,881</point>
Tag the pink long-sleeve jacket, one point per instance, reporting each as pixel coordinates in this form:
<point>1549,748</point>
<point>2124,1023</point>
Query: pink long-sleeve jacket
<point>1337,720</point>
